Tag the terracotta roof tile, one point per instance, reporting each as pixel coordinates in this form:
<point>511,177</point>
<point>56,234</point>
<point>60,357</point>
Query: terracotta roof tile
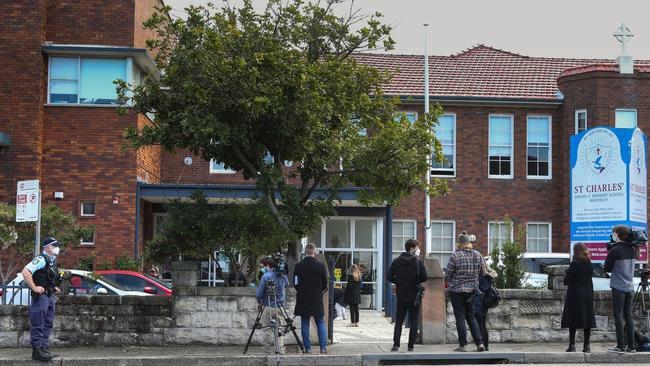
<point>482,72</point>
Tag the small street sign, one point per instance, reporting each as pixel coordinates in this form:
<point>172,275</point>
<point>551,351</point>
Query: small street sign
<point>27,201</point>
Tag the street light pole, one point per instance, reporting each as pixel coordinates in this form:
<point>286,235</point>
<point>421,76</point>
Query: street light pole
<point>427,198</point>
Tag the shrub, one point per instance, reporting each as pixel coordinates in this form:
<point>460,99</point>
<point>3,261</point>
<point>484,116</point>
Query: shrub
<point>506,260</point>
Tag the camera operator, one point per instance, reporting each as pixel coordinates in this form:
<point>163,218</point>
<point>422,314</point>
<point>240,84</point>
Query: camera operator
<point>271,304</point>
<point>620,262</point>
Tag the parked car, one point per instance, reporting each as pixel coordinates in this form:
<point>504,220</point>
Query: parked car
<point>138,282</point>
<point>80,283</point>
<point>535,263</point>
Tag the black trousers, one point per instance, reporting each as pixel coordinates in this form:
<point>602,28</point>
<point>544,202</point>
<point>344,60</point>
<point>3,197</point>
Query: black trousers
<point>414,313</point>
<point>354,313</point>
<point>463,312</point>
<point>622,305</point>
<point>482,326</point>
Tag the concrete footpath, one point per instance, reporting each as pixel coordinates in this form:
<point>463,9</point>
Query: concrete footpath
<point>338,355</point>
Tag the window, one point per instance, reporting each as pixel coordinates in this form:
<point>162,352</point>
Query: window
<point>500,150</point>
<point>403,230</point>
<point>131,282</point>
<point>219,168</point>
<point>83,80</point>
<point>87,208</point>
<point>410,116</point>
<point>338,234</point>
<point>625,118</point>
<point>445,132</point>
<point>581,120</point>
<point>158,222</point>
<point>539,147</point>
<point>90,240</point>
<point>498,233</point>
<point>538,237</point>
<point>442,240</point>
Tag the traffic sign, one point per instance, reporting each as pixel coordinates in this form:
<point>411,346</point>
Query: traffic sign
<point>27,201</point>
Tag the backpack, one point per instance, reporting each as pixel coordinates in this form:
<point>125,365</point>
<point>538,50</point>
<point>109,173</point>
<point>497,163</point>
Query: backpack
<point>491,297</point>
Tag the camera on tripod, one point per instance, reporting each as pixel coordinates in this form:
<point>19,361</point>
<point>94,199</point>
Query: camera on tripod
<point>280,260</point>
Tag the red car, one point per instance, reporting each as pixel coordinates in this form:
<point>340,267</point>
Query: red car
<point>138,282</point>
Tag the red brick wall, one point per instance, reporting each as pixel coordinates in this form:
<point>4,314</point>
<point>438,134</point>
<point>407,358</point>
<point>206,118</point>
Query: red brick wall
<point>97,22</point>
<point>173,168</point>
<point>83,159</point>
<point>148,158</point>
<point>22,31</point>
<point>143,11</point>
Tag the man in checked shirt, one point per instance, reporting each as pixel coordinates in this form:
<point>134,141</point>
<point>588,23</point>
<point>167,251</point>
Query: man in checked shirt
<point>462,272</point>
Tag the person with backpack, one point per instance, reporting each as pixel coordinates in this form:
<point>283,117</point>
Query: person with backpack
<point>488,298</point>
<point>462,272</point>
<point>579,304</point>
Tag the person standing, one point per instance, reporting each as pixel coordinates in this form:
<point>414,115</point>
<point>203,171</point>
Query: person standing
<point>339,304</point>
<point>620,262</point>
<point>480,310</point>
<point>272,303</point>
<point>462,273</point>
<point>407,272</point>
<point>579,304</point>
<point>353,294</point>
<point>42,277</point>
<point>310,280</point>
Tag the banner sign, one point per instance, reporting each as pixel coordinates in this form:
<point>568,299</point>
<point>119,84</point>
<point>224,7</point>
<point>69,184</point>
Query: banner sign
<point>608,185</point>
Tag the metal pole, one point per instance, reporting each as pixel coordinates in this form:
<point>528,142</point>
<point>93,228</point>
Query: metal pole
<point>137,221</point>
<point>37,238</point>
<point>427,198</point>
<point>388,259</point>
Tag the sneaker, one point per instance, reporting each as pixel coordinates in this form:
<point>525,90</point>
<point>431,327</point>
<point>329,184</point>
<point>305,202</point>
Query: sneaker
<point>460,349</point>
<point>572,348</point>
<point>617,350</point>
<point>629,349</point>
<point>586,349</point>
<point>480,348</point>
<point>356,325</point>
<point>307,350</point>
<point>394,349</point>
<point>323,350</point>
<point>411,349</point>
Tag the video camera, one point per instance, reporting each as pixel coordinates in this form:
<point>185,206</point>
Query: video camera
<point>280,260</point>
<point>634,238</point>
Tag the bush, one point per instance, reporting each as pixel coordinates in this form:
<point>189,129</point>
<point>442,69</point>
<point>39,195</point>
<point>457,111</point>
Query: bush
<point>104,265</point>
<point>506,260</point>
<point>87,263</point>
<point>127,263</point>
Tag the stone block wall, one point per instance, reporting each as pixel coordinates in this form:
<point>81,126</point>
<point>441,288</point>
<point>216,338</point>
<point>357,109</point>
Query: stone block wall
<point>525,316</point>
<point>94,321</point>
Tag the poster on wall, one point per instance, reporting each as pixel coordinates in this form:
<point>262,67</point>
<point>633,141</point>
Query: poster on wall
<point>608,185</point>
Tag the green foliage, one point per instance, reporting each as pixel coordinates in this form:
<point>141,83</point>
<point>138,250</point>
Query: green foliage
<point>104,265</point>
<point>507,259</point>
<point>87,263</point>
<point>127,263</point>
<point>240,86</point>
<point>196,229</point>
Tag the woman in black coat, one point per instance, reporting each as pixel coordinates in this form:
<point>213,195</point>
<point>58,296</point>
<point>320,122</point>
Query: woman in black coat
<point>579,304</point>
<point>353,294</point>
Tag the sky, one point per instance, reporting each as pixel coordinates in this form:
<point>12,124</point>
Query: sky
<point>550,28</point>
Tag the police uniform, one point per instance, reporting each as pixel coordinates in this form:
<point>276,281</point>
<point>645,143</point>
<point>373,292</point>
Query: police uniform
<point>41,313</point>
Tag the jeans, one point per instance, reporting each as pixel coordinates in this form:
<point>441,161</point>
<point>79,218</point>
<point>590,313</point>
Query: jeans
<point>482,326</point>
<point>622,304</point>
<point>463,312</point>
<point>414,313</point>
<point>354,313</point>
<point>320,326</point>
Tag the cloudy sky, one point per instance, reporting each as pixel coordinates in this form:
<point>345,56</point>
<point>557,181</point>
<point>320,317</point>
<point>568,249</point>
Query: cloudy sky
<point>553,28</point>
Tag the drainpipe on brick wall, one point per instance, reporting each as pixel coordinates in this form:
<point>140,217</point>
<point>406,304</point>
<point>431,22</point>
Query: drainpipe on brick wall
<point>137,221</point>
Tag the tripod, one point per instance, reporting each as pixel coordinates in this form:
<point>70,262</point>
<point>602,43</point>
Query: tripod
<point>642,299</point>
<point>276,329</point>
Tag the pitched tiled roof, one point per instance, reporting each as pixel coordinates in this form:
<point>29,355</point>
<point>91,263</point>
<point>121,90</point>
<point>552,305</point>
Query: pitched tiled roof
<point>479,72</point>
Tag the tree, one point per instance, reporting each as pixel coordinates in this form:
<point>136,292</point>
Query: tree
<point>256,90</point>
<point>196,229</point>
<point>17,239</point>
<point>507,258</point>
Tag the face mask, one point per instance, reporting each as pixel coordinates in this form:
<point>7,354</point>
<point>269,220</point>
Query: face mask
<point>615,237</point>
<point>56,251</point>
<point>416,252</point>
<point>264,269</point>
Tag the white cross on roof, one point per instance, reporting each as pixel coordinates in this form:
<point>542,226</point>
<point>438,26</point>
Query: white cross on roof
<point>623,35</point>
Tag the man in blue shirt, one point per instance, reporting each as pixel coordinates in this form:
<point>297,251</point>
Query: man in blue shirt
<point>271,303</point>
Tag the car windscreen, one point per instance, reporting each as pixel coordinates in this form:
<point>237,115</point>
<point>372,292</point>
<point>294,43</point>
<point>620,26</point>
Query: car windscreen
<point>160,282</point>
<point>537,265</point>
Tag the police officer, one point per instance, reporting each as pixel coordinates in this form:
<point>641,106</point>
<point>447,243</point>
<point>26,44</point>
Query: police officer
<point>42,277</point>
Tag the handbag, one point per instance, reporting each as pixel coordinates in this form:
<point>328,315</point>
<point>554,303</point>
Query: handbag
<point>419,292</point>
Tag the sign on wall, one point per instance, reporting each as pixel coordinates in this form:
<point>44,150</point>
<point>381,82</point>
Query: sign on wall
<point>27,201</point>
<point>608,185</point>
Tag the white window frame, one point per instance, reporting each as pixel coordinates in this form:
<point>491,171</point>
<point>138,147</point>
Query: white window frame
<point>130,76</point>
<point>512,147</point>
<point>550,235</point>
<point>577,112</point>
<point>87,243</point>
<point>81,209</point>
<point>453,237</point>
<point>415,234</point>
<point>550,148</point>
<point>453,115</point>
<point>489,237</point>
<point>636,116</point>
<point>218,171</point>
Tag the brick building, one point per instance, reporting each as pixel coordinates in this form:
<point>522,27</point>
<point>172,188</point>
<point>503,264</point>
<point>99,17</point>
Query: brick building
<point>505,131</point>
